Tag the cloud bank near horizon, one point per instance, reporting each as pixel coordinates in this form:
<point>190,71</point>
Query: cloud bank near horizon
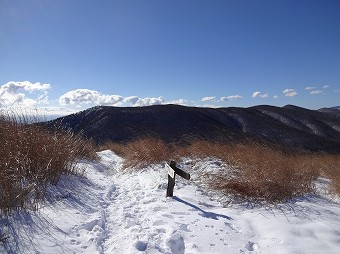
<point>34,95</point>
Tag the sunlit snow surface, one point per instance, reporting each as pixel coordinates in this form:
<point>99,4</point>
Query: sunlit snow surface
<point>113,212</point>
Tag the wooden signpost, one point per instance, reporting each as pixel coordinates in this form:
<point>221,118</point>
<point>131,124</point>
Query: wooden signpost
<point>172,172</point>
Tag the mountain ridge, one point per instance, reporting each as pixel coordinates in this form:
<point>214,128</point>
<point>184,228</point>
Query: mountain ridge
<point>288,126</point>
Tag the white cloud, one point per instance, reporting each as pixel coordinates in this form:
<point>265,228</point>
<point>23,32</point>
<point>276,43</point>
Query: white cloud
<point>258,94</point>
<point>182,102</point>
<point>14,86</point>
<point>86,96</point>
<point>15,93</point>
<point>131,99</point>
<point>36,86</point>
<point>326,86</point>
<point>149,101</point>
<point>290,92</point>
<point>316,92</point>
<point>310,87</point>
<point>208,98</point>
<point>275,96</point>
<point>140,102</point>
<point>231,97</point>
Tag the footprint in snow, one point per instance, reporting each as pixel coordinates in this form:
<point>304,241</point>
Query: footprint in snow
<point>75,242</point>
<point>141,245</point>
<point>251,246</point>
<point>91,224</point>
<point>112,193</point>
<point>176,244</point>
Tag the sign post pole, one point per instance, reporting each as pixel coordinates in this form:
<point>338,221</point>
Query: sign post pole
<point>171,181</point>
<point>171,185</point>
<point>172,171</point>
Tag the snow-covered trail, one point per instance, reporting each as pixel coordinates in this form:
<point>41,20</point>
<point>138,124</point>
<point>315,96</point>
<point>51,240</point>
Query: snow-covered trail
<point>138,218</point>
<point>114,212</point>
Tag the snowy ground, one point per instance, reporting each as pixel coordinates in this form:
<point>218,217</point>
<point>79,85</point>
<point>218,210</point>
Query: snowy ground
<point>112,212</point>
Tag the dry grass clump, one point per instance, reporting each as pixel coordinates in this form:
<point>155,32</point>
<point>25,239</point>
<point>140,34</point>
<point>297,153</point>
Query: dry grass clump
<point>31,158</point>
<point>144,152</point>
<point>330,168</point>
<point>258,172</point>
<point>334,175</point>
<point>117,148</point>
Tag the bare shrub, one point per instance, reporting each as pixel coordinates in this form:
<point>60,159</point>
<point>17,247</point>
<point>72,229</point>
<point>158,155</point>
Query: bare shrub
<point>117,148</point>
<point>334,175</point>
<point>31,158</point>
<point>330,168</point>
<point>272,177</point>
<point>258,172</point>
<point>143,152</point>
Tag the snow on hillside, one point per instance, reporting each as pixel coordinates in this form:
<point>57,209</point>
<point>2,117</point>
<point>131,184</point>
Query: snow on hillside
<point>113,212</point>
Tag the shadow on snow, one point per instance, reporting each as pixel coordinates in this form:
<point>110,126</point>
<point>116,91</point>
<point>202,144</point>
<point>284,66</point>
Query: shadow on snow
<point>203,213</point>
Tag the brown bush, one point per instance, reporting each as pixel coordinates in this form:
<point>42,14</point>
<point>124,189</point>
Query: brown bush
<point>265,175</point>
<point>117,148</point>
<point>144,152</point>
<point>330,168</point>
<point>31,158</point>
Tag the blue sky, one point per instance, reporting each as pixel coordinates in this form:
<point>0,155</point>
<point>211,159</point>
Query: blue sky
<point>73,54</point>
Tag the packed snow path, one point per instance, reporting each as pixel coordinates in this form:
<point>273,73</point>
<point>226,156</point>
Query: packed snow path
<point>113,212</point>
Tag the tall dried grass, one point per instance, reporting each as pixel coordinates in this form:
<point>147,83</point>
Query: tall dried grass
<point>144,152</point>
<point>330,168</point>
<point>259,172</point>
<point>31,158</point>
<point>117,148</point>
